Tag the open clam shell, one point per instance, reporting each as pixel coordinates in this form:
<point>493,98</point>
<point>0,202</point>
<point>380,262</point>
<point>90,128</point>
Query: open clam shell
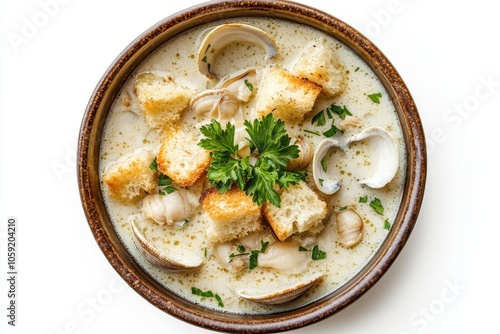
<point>322,178</point>
<point>283,295</point>
<point>225,34</point>
<point>160,258</point>
<point>388,156</point>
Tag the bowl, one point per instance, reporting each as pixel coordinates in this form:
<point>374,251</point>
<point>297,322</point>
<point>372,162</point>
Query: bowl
<point>117,254</point>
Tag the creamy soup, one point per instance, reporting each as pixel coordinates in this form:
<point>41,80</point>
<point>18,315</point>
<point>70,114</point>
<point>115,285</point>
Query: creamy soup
<point>369,105</point>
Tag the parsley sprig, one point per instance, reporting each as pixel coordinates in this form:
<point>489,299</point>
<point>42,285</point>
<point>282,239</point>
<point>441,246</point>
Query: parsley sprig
<point>269,143</point>
<point>164,182</point>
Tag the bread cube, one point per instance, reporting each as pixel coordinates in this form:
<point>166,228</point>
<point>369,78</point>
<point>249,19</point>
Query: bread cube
<point>287,96</point>
<point>130,178</point>
<point>230,215</point>
<point>162,100</point>
<point>181,159</point>
<point>319,63</point>
<point>301,210</point>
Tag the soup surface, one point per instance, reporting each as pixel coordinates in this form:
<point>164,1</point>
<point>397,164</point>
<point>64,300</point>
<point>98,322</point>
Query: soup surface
<point>368,105</point>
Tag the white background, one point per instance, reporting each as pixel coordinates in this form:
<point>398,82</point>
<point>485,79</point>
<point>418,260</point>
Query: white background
<point>443,281</point>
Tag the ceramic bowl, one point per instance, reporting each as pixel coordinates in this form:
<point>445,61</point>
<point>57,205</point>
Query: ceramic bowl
<point>118,256</point>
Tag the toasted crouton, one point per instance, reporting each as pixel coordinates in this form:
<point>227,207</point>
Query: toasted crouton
<point>319,63</point>
<point>181,159</point>
<point>162,100</point>
<point>287,96</point>
<point>230,215</point>
<point>130,178</point>
<point>300,211</point>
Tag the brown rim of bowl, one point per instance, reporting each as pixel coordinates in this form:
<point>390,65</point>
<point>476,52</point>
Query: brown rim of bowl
<point>110,244</point>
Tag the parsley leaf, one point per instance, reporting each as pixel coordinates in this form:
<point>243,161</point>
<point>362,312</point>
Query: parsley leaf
<point>318,254</point>
<point>269,142</point>
<point>387,224</point>
<point>376,204</point>
<point>375,97</point>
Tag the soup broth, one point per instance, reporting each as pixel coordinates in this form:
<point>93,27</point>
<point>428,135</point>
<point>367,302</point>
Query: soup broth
<point>369,105</point>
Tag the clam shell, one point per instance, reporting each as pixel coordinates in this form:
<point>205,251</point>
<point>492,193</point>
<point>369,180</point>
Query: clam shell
<point>388,159</point>
<point>323,181</point>
<point>225,34</point>
<point>159,258</point>
<point>283,295</point>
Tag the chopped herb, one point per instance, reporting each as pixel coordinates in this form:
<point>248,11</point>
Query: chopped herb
<point>303,249</point>
<point>377,206</point>
<point>208,294</point>
<point>318,254</point>
<point>341,111</point>
<point>154,165</point>
<point>357,69</point>
<point>343,208</point>
<point>375,97</point>
<point>198,292</point>
<point>163,180</point>
<point>205,251</point>
<point>219,300</point>
<point>241,248</point>
<point>321,181</point>
<point>387,224</point>
<point>324,163</point>
<point>204,59</point>
<point>333,130</point>
<point>363,199</point>
<point>249,85</point>
<point>208,47</point>
<point>312,132</point>
<point>254,256</point>
<point>319,119</point>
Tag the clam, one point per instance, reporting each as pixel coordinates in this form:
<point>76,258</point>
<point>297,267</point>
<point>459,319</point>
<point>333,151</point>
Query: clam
<point>304,158</point>
<point>220,104</point>
<point>159,258</point>
<point>388,156</point>
<point>349,228</point>
<point>225,34</point>
<point>241,84</point>
<point>322,178</point>
<point>282,295</point>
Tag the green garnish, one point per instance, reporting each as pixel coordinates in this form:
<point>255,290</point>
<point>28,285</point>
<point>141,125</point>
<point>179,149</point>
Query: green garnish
<point>163,181</point>
<point>319,119</point>
<point>249,85</point>
<point>357,69</point>
<point>208,294</point>
<point>303,249</point>
<point>204,59</point>
<point>343,208</point>
<point>375,97</point>
<point>387,224</point>
<point>312,132</point>
<point>324,163</point>
<point>270,143</point>
<point>363,199</point>
<point>341,111</point>
<point>254,256</point>
<point>332,132</point>
<point>318,254</point>
<point>376,204</point>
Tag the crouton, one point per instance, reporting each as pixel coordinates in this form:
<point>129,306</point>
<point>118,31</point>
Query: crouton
<point>230,215</point>
<point>319,63</point>
<point>287,96</point>
<point>301,210</point>
<point>130,178</point>
<point>181,159</point>
<point>162,100</point>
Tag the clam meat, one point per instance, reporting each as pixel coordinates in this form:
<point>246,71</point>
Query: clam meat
<point>349,228</point>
